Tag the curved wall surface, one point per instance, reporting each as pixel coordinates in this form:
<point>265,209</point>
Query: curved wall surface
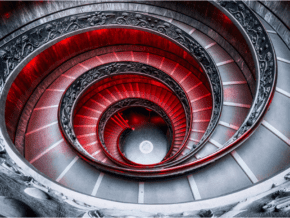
<point>202,86</point>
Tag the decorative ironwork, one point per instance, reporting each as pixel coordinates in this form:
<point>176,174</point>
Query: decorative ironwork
<point>265,56</point>
<point>131,102</point>
<point>75,90</point>
<point>18,49</point>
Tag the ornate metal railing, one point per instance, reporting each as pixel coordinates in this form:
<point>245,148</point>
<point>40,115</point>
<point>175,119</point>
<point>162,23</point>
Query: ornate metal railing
<point>86,80</point>
<point>265,60</point>
<point>20,49</point>
<point>132,102</point>
<point>15,51</point>
<point>266,72</point>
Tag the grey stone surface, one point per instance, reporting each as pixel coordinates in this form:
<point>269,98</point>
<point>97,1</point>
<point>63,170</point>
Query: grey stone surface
<point>221,177</point>
<point>283,80</point>
<point>222,134</point>
<point>81,177</point>
<point>14,202</point>
<point>275,16</point>
<point>207,149</point>
<point>229,115</point>
<point>279,115</point>
<point>36,193</point>
<point>280,9</point>
<point>169,191</point>
<point>10,207</point>
<point>132,195</point>
<point>281,49</point>
<point>117,189</point>
<point>273,154</point>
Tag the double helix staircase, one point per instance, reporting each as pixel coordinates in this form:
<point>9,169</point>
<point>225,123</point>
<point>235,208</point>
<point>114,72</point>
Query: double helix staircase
<point>257,158</point>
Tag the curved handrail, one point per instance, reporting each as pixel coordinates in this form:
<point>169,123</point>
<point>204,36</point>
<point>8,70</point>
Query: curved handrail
<point>258,188</point>
<point>127,103</point>
<point>34,39</point>
<point>266,72</point>
<point>266,68</point>
<point>75,91</point>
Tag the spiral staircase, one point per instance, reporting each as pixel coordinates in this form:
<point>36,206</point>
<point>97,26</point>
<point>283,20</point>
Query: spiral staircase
<point>150,109</point>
